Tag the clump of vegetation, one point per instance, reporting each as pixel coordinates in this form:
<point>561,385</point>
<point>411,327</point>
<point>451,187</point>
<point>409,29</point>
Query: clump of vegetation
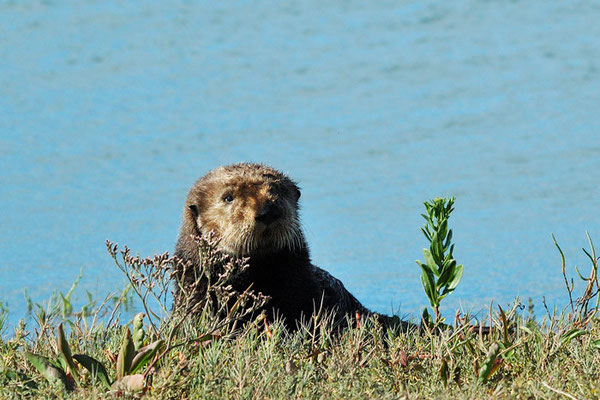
<point>228,350</point>
<point>581,311</point>
<point>132,357</point>
<point>440,272</point>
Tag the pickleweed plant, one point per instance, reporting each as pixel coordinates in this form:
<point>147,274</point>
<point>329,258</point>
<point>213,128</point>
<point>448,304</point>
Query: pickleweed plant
<point>440,272</point>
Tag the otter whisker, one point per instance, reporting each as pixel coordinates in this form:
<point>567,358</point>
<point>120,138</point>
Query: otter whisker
<point>250,242</point>
<point>247,241</point>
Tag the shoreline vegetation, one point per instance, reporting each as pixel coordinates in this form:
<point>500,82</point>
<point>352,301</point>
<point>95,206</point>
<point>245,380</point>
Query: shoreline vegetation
<point>230,350</point>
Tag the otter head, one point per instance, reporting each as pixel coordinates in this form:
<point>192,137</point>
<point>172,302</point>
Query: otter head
<point>250,208</point>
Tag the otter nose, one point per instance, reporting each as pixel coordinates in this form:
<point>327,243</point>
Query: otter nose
<point>269,213</point>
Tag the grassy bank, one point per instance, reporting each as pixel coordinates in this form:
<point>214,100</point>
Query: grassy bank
<point>552,359</point>
<point>216,356</point>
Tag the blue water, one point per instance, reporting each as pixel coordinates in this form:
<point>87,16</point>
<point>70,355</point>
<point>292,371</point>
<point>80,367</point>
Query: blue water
<point>110,110</point>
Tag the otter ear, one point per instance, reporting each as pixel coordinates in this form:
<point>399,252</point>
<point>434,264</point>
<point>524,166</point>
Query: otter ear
<point>194,209</point>
<point>297,191</point>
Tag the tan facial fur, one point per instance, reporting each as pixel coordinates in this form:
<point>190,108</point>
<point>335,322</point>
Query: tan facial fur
<point>252,209</point>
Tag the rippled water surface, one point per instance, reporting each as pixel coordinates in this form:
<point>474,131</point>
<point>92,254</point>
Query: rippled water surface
<point>110,110</point>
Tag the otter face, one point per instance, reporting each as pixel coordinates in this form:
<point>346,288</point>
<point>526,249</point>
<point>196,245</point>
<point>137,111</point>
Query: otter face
<point>251,209</point>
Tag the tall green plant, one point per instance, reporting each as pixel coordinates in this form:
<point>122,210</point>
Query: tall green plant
<point>440,272</point>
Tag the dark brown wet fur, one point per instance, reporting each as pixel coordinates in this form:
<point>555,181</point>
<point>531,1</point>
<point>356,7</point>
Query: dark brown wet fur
<point>252,210</point>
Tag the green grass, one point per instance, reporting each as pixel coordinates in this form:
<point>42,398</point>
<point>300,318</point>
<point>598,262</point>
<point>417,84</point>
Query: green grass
<point>217,356</point>
<point>534,361</point>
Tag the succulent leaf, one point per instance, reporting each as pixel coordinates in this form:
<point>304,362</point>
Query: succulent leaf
<point>64,352</point>
<point>47,368</point>
<point>145,355</point>
<point>95,367</point>
<point>490,365</point>
<point>130,383</point>
<point>125,356</point>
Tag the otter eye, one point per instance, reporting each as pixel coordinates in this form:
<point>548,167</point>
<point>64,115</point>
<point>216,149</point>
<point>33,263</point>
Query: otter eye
<point>228,199</point>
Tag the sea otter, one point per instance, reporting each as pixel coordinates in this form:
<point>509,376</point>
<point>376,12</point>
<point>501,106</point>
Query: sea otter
<point>252,212</point>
